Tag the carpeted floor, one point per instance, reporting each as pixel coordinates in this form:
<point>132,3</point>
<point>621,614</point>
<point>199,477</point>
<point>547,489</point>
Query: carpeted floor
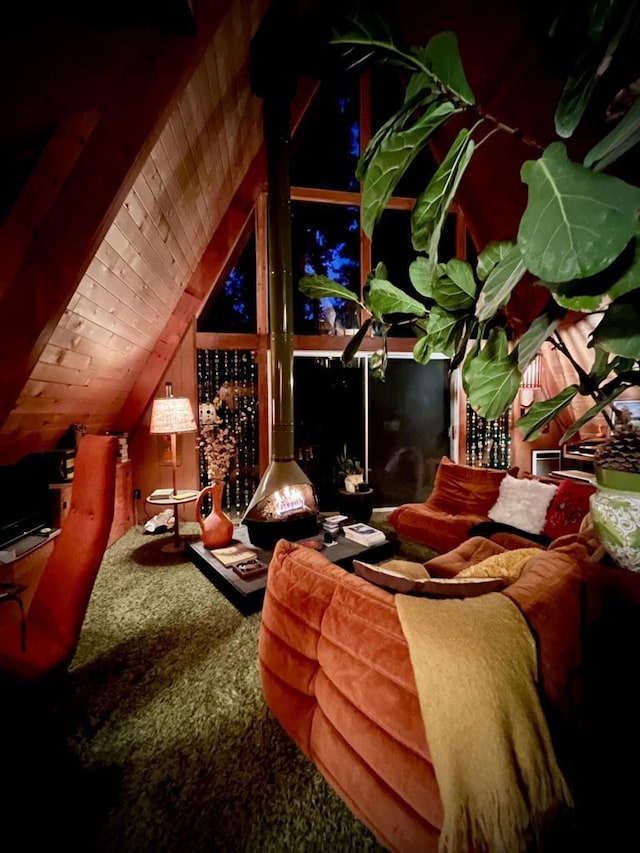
<point>162,740</point>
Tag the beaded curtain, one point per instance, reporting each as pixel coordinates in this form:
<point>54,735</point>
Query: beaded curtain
<point>232,375</point>
<point>488,442</point>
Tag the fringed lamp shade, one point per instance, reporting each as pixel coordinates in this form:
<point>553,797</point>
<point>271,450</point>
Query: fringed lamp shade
<point>172,415</point>
<point>169,416</point>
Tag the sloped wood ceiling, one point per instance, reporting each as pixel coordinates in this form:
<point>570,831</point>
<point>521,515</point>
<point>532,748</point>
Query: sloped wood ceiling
<point>131,155</point>
<point>100,245</point>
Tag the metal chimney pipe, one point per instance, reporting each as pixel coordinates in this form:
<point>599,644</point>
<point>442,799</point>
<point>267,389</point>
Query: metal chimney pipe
<point>274,79</point>
<point>277,136</point>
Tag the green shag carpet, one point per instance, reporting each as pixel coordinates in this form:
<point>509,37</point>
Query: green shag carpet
<point>161,739</point>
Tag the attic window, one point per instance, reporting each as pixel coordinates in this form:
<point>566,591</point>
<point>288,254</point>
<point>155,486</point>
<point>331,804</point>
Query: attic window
<point>232,308</point>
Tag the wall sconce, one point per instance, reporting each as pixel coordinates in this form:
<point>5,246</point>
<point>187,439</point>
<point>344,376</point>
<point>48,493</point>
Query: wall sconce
<point>531,382</point>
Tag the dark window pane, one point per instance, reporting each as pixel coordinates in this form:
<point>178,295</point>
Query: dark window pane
<point>325,240</point>
<point>326,145</point>
<point>233,308</point>
<point>408,429</point>
<point>328,413</point>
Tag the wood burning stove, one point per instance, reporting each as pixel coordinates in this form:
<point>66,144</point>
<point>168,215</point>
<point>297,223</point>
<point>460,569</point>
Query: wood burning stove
<point>285,503</point>
<point>284,506</point>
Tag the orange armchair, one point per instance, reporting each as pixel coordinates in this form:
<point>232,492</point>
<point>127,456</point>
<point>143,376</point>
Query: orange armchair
<point>59,605</point>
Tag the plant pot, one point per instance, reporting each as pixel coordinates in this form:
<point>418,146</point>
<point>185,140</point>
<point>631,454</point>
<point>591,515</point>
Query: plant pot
<point>352,480</point>
<point>616,516</point>
<point>216,529</point>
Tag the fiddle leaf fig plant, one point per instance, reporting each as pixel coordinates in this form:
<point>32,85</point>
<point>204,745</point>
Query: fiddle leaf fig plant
<point>578,238</point>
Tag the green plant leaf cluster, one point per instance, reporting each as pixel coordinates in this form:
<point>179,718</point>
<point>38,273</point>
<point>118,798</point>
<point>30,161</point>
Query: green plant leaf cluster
<point>579,236</point>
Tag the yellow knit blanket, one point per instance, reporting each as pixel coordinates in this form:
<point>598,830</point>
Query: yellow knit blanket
<point>475,668</point>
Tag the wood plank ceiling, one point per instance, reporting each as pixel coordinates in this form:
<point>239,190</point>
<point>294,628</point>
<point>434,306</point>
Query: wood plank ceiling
<point>97,319</point>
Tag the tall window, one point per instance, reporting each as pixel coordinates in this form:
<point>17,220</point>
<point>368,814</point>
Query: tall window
<point>397,428</point>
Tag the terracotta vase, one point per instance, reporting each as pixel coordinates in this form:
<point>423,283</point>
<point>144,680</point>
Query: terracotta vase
<point>216,528</point>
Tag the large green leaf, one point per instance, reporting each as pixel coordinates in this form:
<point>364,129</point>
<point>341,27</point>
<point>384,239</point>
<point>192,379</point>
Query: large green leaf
<point>537,333</point>
<point>443,331</point>
<point>355,342</point>
<point>492,377</point>
<point>576,94</point>
<point>498,286</point>
<point>433,202</point>
<point>442,57</point>
<point>491,255</point>
<point>622,138</point>
<point>421,275</point>
<point>619,330</point>
<point>319,286</point>
<point>591,413</point>
<point>432,205</point>
<point>591,65</point>
<point>577,221</point>
<point>420,101</point>
<point>630,279</point>
<point>393,157</point>
<point>456,289</point>
<point>576,295</point>
<point>385,298</point>
<point>539,415</point>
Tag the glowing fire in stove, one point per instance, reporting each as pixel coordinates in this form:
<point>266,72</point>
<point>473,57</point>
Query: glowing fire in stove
<point>290,500</point>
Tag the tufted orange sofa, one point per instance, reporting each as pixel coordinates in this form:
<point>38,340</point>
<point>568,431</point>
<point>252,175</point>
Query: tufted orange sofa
<point>336,673</point>
<point>462,497</point>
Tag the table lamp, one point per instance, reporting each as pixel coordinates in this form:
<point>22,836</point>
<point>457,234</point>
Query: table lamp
<point>169,416</point>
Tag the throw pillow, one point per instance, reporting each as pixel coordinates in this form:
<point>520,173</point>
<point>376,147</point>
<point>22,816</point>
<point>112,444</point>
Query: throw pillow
<point>523,503</point>
<point>506,565</point>
<point>404,576</point>
<point>398,575</point>
<point>568,508</point>
<point>464,489</point>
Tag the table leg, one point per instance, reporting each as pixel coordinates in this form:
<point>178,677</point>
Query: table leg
<point>176,545</point>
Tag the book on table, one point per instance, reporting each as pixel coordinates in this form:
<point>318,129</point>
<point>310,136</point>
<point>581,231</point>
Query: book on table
<point>160,494</point>
<point>237,552</point>
<point>364,534</point>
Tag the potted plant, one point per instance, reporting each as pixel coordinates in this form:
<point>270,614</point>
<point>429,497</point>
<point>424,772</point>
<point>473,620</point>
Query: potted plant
<point>576,246</point>
<point>349,472</point>
<point>615,507</point>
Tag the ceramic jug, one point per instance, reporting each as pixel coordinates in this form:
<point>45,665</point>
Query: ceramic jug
<point>216,528</point>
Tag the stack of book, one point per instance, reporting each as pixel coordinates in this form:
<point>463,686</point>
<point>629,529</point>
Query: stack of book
<point>332,523</point>
<point>364,534</point>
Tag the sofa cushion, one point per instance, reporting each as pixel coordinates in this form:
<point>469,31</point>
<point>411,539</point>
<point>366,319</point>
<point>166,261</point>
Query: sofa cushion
<point>431,526</point>
<point>522,503</point>
<point>404,576</point>
<point>506,565</point>
<point>568,508</point>
<point>549,593</point>
<point>464,489</point>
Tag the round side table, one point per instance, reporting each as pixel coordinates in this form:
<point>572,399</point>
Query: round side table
<point>356,505</point>
<point>177,502</point>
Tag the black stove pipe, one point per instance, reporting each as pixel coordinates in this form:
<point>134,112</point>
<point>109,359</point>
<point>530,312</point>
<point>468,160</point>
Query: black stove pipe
<point>274,80</point>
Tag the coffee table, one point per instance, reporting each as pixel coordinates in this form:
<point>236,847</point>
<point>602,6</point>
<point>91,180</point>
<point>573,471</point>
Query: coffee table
<point>248,595</point>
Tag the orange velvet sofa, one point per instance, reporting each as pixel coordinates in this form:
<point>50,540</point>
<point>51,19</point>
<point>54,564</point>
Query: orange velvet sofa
<point>462,498</point>
<point>336,673</point>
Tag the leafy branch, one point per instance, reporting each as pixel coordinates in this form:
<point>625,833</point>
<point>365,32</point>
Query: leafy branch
<point>578,238</point>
